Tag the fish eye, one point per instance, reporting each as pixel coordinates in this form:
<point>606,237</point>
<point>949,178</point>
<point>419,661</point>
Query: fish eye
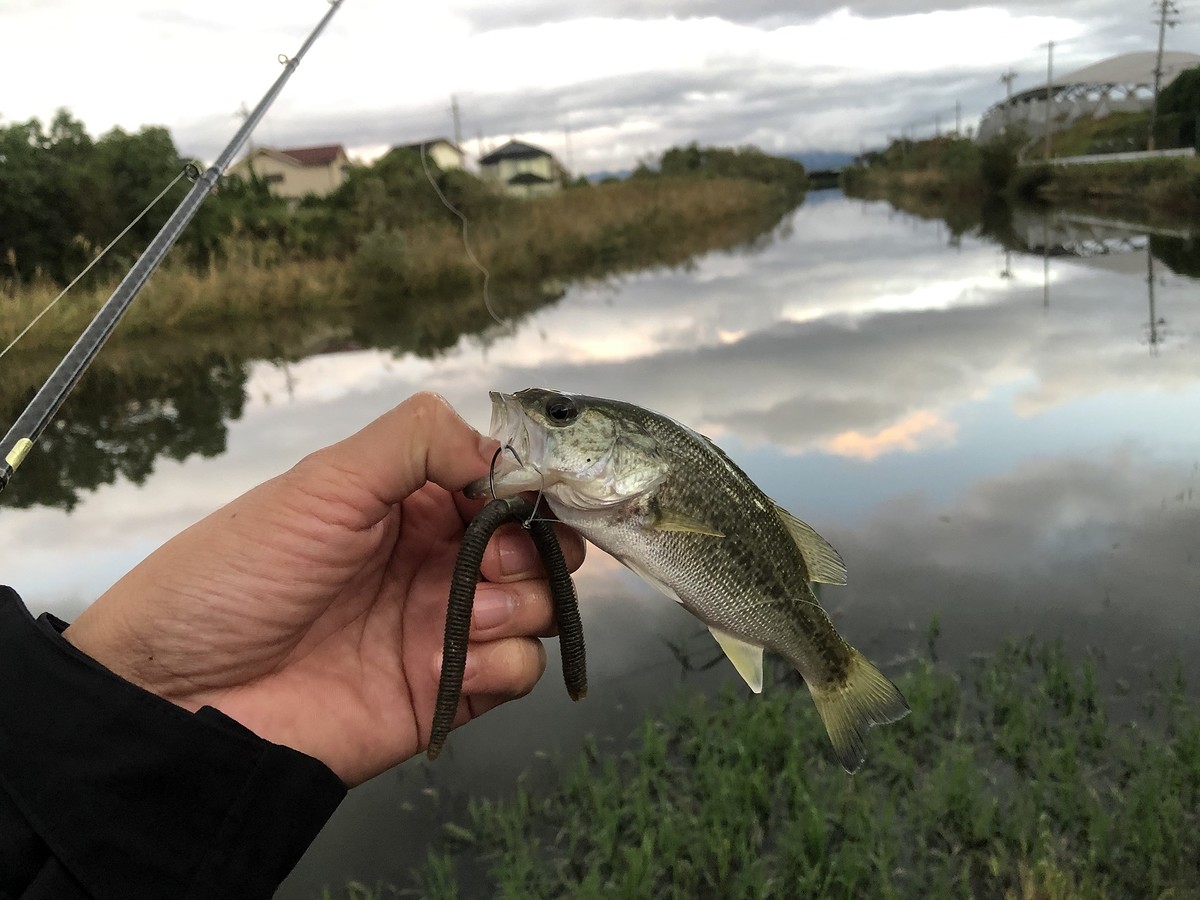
<point>562,410</point>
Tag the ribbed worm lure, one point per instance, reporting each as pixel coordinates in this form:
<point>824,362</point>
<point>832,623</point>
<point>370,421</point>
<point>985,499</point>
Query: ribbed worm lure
<point>462,600</point>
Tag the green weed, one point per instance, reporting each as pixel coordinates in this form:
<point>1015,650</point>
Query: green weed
<point>1008,780</point>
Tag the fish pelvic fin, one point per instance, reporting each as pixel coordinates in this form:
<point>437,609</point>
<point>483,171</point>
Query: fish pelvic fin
<point>849,710</point>
<point>746,658</point>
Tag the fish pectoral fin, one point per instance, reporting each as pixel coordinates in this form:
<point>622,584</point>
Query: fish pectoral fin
<point>673,520</point>
<point>746,658</point>
<point>824,563</point>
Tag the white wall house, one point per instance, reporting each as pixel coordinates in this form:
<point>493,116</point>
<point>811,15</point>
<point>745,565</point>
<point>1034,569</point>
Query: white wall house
<point>442,151</point>
<point>297,172</point>
<point>523,169</point>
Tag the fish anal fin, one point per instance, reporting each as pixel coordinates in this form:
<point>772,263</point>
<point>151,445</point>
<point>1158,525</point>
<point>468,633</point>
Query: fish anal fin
<point>849,710</point>
<point>746,658</point>
<point>824,563</point>
<point>673,520</point>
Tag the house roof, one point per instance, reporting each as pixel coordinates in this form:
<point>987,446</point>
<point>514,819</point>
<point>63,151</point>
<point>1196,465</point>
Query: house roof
<point>513,150</point>
<point>314,156</point>
<point>430,143</point>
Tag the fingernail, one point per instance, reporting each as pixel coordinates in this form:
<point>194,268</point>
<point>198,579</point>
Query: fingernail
<point>492,608</point>
<point>518,557</point>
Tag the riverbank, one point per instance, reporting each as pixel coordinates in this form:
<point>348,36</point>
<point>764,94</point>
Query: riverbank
<point>1165,187</point>
<point>961,170</point>
<point>582,232</point>
<point>1011,778</point>
<point>188,340</point>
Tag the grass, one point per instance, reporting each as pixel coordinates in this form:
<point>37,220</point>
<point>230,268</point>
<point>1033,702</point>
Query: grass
<point>576,233</point>
<point>946,169</point>
<point>1008,780</point>
<point>410,292</point>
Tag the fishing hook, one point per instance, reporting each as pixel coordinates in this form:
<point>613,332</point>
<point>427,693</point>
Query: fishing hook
<point>492,468</point>
<point>492,480</point>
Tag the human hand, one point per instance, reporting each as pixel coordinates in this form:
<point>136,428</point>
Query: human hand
<point>311,608</point>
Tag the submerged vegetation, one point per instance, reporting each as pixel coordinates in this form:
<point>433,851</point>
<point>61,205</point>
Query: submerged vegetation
<point>1010,779</point>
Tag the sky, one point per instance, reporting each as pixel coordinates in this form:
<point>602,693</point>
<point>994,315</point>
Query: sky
<point>602,85</point>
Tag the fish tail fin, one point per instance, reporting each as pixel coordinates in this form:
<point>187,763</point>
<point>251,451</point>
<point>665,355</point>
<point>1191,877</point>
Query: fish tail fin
<point>865,698</point>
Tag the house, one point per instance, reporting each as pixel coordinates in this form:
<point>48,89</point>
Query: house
<point>297,172</point>
<point>442,151</point>
<point>523,169</point>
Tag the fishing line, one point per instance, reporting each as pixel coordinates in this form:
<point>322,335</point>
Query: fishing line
<point>537,501</point>
<point>189,170</point>
<point>20,438</point>
<point>487,276</point>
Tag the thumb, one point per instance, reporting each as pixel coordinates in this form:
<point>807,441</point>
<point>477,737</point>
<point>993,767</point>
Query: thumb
<point>423,439</point>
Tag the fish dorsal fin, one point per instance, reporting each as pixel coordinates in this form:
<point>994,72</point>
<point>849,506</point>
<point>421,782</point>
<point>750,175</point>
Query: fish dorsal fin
<point>746,658</point>
<point>674,520</point>
<point>824,563</point>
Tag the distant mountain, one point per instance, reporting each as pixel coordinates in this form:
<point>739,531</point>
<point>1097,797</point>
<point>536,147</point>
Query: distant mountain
<point>812,160</point>
<point>619,174</point>
<point>817,160</point>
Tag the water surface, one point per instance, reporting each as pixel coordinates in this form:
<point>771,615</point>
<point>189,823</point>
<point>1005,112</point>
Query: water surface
<point>1008,438</point>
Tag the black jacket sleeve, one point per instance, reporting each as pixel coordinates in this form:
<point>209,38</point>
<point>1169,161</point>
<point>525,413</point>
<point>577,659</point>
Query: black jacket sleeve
<point>109,792</point>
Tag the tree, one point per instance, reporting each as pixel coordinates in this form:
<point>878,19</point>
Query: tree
<point>1179,106</point>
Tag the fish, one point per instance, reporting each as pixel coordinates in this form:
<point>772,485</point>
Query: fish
<point>670,505</point>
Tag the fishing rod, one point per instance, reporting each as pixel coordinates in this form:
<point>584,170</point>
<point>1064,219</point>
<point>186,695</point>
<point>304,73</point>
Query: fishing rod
<point>50,397</point>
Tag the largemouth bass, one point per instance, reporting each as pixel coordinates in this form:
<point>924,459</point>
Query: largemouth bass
<point>670,505</point>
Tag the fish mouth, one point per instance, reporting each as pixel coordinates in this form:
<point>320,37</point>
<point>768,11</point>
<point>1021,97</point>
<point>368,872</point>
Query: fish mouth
<point>522,447</point>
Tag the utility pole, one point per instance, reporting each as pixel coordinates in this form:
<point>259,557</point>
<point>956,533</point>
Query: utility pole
<point>1049,79</point>
<point>958,118</point>
<point>244,114</point>
<point>1007,78</point>
<point>1155,337</point>
<point>457,123</point>
<point>1166,9</point>
<point>567,137</point>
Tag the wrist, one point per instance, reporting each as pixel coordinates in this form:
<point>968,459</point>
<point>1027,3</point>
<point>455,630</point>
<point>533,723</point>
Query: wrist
<point>96,636</point>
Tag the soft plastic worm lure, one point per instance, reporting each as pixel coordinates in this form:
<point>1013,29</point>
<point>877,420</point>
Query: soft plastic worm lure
<point>462,600</point>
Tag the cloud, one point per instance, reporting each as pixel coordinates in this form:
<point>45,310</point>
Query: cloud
<point>916,431</point>
<point>1094,546</point>
<point>779,75</point>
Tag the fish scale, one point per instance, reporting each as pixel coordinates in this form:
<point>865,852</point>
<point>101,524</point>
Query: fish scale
<point>670,505</point>
<point>753,582</point>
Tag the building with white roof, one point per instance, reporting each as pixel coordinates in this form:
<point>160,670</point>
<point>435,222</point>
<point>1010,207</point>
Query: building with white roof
<point>1122,83</point>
